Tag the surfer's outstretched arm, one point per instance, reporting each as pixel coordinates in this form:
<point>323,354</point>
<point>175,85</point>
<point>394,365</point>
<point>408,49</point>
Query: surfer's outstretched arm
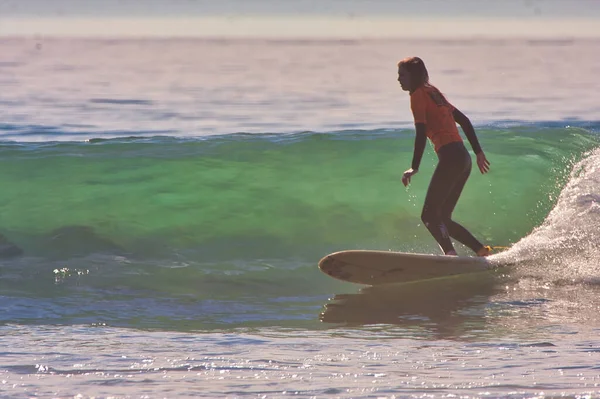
<point>420,141</point>
<point>467,127</point>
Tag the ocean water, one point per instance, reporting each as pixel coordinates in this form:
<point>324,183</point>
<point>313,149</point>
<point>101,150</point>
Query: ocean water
<point>164,205</point>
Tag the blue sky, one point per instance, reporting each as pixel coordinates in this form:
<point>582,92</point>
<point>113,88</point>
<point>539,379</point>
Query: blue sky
<point>301,18</point>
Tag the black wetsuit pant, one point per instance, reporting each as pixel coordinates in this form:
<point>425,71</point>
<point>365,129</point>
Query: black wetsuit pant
<point>445,188</point>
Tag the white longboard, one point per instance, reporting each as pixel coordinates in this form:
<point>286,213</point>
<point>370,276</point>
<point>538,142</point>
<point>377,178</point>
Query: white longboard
<point>387,267</point>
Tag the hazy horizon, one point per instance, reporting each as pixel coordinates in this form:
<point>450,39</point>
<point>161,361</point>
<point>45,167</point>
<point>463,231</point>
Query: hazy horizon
<point>397,8</point>
<point>302,18</point>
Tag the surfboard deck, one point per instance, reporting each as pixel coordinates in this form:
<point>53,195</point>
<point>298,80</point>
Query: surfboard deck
<point>388,267</point>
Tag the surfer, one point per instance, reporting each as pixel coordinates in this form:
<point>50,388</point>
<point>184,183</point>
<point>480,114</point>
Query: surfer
<point>436,119</point>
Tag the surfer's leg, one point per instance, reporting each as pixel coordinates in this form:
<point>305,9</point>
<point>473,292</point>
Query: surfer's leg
<point>456,230</point>
<point>439,187</point>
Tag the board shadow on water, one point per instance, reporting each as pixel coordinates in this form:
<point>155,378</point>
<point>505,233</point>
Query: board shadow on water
<point>485,304</point>
<point>440,305</point>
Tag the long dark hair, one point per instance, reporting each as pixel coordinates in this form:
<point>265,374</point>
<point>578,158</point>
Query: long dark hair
<point>417,70</point>
<point>419,75</point>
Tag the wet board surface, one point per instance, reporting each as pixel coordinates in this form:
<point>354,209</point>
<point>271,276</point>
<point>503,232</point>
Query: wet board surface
<point>387,267</point>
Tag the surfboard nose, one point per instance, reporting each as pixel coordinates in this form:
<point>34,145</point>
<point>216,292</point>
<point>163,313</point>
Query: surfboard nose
<point>326,264</point>
<point>333,267</point>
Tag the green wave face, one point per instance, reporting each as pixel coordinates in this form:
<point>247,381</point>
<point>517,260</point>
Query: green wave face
<point>226,232</point>
<point>270,196</point>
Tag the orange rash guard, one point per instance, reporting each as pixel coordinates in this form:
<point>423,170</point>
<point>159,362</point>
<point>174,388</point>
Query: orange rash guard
<point>430,107</point>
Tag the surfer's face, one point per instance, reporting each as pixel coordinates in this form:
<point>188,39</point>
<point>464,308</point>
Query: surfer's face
<point>404,78</point>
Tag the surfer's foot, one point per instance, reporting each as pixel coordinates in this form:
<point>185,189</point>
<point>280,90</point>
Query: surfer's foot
<point>485,251</point>
<point>451,253</point>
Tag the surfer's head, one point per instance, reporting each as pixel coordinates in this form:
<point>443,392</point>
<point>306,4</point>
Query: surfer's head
<point>412,73</point>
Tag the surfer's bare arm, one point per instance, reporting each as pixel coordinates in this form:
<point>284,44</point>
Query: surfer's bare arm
<point>467,127</point>
<point>420,141</point>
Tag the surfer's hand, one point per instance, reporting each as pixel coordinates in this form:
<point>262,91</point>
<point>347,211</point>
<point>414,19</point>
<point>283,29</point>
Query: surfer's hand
<point>483,163</point>
<point>407,175</point>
